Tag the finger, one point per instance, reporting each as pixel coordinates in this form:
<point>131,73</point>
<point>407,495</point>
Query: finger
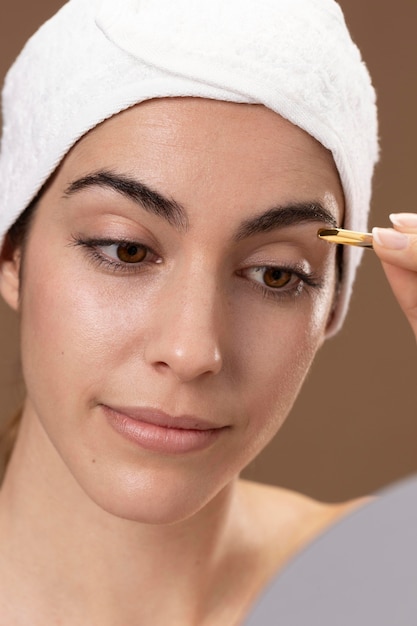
<point>398,253</point>
<point>398,244</point>
<point>395,247</point>
<point>404,286</point>
<point>404,222</point>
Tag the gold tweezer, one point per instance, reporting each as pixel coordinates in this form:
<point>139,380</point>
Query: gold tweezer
<point>346,237</point>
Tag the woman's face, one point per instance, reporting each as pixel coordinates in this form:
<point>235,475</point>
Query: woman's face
<point>174,295</point>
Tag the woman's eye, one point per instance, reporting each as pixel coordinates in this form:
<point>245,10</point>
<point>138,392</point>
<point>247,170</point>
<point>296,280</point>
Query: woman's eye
<point>118,256</point>
<point>126,252</point>
<point>272,277</point>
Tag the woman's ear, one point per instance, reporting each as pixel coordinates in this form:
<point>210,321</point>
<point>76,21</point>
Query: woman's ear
<point>10,259</point>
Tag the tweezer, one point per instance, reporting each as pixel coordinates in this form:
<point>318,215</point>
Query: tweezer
<point>346,237</point>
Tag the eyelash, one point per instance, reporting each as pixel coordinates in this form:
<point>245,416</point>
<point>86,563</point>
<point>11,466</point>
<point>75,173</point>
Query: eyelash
<point>304,280</point>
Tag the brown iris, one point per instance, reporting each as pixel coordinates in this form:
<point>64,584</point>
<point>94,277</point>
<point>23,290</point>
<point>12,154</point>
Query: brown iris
<point>275,277</point>
<point>131,253</point>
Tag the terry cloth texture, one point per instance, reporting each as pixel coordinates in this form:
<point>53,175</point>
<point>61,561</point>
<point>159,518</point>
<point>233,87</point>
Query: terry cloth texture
<point>95,58</point>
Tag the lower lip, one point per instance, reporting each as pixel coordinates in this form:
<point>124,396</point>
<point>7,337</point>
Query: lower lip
<point>160,438</point>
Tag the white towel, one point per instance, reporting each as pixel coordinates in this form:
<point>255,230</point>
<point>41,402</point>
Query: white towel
<point>95,58</point>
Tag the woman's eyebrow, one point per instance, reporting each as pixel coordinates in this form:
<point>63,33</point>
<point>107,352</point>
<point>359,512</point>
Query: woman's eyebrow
<point>154,202</point>
<point>133,189</point>
<point>287,215</point>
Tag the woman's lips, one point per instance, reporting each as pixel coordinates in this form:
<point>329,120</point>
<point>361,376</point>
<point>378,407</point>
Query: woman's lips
<point>159,432</point>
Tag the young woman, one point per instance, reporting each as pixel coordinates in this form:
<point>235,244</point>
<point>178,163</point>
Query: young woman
<point>160,208</point>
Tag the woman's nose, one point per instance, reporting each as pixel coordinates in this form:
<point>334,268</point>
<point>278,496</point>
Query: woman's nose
<point>186,328</point>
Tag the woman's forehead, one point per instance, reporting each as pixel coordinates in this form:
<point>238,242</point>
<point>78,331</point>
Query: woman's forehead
<point>205,142</point>
<point>202,119</point>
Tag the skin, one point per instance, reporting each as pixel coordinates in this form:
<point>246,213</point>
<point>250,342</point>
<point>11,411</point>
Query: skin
<point>191,331</point>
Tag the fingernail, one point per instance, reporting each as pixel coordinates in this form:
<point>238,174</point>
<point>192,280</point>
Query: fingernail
<point>408,220</point>
<point>390,238</point>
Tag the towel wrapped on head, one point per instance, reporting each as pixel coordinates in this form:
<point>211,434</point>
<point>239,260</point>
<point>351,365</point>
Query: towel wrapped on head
<point>95,58</point>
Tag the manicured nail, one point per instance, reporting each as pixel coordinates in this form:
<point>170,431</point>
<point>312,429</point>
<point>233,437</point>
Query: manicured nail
<point>407,220</point>
<point>390,238</point>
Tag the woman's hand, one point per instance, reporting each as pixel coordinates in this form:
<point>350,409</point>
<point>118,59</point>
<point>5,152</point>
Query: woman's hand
<point>397,249</point>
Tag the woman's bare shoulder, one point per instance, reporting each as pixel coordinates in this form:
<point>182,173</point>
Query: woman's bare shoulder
<point>288,520</point>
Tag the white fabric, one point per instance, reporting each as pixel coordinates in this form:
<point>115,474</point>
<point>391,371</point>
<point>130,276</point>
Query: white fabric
<point>98,57</point>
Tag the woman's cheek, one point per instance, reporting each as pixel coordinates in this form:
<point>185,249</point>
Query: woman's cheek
<point>278,349</point>
<point>74,321</point>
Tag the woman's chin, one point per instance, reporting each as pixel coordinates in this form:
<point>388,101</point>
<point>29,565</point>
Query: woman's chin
<point>152,499</point>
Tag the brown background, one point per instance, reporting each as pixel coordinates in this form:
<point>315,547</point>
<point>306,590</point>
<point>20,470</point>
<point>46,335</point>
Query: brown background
<point>354,427</point>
